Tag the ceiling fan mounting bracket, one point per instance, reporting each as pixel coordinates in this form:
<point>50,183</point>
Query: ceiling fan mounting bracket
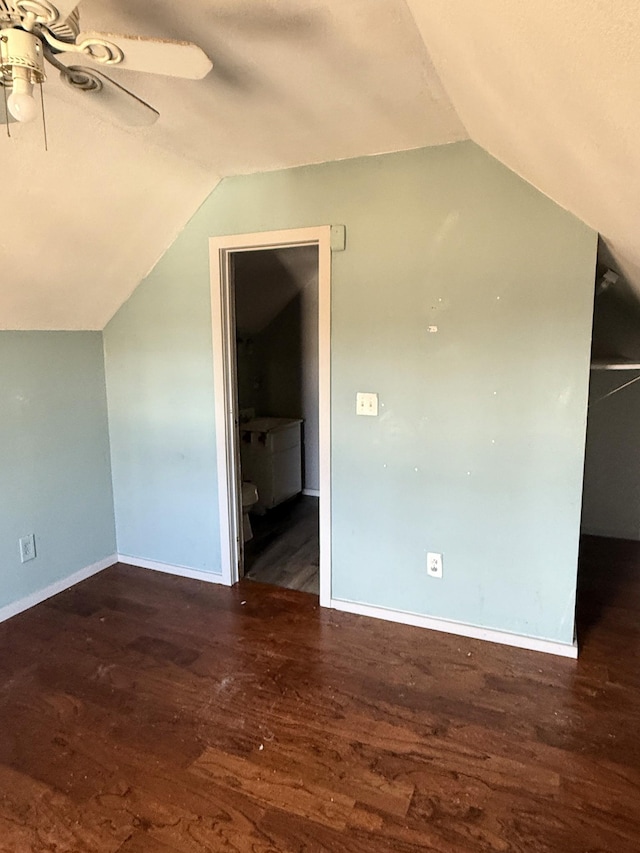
<point>100,50</point>
<point>82,78</point>
<point>41,11</point>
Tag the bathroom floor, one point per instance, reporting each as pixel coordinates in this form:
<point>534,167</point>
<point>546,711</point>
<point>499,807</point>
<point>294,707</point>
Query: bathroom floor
<point>285,549</point>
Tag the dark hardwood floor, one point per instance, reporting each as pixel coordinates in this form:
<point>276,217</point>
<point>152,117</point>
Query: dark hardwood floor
<point>144,713</point>
<point>285,549</point>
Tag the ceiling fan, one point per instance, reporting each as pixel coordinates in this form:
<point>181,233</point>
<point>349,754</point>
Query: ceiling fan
<point>35,31</point>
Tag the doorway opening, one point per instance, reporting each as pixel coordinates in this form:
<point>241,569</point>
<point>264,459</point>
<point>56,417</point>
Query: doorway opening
<point>271,333</point>
<point>275,295</point>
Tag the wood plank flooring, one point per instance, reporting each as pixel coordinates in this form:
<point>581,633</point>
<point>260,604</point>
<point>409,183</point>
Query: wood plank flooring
<point>144,713</point>
<point>285,549</point>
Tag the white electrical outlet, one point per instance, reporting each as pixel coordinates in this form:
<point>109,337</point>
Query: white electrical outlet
<point>367,404</point>
<point>434,565</point>
<point>27,548</point>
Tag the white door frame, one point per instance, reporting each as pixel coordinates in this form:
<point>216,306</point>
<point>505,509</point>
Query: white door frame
<point>223,329</point>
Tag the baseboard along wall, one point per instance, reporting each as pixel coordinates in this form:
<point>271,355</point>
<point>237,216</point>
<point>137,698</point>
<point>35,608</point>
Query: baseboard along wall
<point>40,595</point>
<point>461,629</point>
<point>448,627</point>
<point>167,568</point>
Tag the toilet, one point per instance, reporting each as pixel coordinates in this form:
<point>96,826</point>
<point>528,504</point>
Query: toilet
<point>249,500</point>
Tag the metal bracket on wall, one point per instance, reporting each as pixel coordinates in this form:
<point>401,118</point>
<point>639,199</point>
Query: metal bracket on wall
<point>338,238</point>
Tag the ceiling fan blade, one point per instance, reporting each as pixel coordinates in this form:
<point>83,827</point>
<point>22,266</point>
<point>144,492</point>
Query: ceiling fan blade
<point>101,93</point>
<point>154,56</point>
<point>64,8</point>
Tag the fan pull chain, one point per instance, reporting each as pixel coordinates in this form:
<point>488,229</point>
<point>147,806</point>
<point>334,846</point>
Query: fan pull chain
<point>4,92</point>
<point>44,121</point>
<point>6,110</point>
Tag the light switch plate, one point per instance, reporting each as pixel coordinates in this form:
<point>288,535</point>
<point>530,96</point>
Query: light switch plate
<point>367,404</point>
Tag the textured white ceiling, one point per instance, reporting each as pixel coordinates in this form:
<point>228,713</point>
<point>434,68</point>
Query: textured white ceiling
<point>294,81</point>
<point>552,89</point>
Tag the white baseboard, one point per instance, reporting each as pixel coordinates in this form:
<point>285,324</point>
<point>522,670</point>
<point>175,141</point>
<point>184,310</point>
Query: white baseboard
<point>34,598</point>
<point>312,493</point>
<point>167,568</point>
<point>567,650</point>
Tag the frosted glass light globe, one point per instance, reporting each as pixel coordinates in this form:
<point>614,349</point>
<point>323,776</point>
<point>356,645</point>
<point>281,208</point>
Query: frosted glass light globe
<point>21,103</point>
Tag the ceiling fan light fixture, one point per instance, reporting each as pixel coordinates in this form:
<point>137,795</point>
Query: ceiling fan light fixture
<point>21,103</point>
<point>34,30</point>
<point>21,65</point>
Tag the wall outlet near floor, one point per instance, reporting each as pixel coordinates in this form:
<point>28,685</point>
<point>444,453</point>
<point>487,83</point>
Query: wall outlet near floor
<point>27,548</point>
<point>434,565</point>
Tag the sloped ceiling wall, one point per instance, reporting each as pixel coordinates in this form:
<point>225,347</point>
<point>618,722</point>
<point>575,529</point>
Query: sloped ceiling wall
<point>294,82</point>
<point>84,223</point>
<point>552,90</point>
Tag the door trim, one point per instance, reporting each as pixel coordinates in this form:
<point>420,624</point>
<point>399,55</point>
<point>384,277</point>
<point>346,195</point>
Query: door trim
<point>223,333</point>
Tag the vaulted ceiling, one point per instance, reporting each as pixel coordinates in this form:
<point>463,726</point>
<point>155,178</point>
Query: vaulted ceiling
<point>550,89</point>
<point>294,82</point>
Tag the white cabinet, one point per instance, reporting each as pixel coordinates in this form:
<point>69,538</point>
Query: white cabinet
<point>271,457</point>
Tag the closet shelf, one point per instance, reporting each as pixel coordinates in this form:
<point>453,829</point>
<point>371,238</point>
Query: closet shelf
<point>614,364</point>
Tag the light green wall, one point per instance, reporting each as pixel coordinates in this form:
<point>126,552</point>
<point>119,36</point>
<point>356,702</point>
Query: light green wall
<point>161,416</point>
<point>54,452</point>
<point>478,450</point>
